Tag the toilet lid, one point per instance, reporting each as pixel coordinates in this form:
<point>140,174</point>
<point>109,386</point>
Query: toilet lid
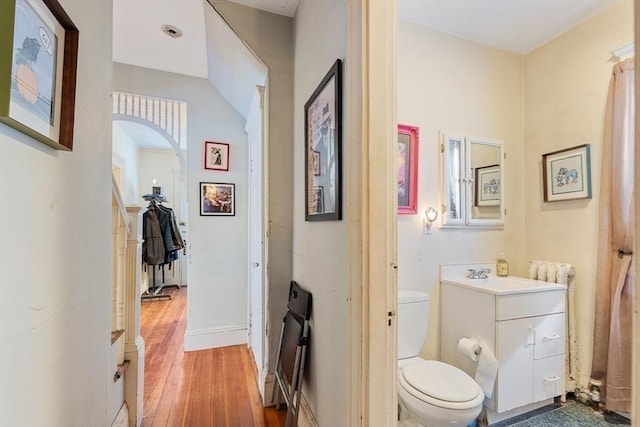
<point>440,381</point>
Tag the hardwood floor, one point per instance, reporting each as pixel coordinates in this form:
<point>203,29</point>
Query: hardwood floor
<point>208,388</point>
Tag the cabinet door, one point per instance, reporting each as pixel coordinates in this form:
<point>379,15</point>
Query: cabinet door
<point>548,377</point>
<point>550,335</point>
<point>515,342</point>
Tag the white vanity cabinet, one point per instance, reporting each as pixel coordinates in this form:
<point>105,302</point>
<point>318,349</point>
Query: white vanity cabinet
<point>530,353</point>
<point>523,323</point>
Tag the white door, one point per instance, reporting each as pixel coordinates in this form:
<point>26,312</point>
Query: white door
<point>256,322</point>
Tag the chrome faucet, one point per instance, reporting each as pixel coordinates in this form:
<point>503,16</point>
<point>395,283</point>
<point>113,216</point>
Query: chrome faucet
<point>479,274</point>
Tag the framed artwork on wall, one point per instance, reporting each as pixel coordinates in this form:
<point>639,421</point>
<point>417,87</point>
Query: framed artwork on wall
<point>323,148</point>
<point>216,156</point>
<point>217,199</point>
<point>38,66</point>
<point>407,169</point>
<point>488,185</point>
<point>566,174</point>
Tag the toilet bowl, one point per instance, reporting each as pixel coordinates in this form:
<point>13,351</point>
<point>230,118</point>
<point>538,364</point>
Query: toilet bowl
<point>437,394</point>
<point>433,393</point>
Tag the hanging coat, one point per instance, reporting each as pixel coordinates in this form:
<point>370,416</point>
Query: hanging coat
<point>153,250</point>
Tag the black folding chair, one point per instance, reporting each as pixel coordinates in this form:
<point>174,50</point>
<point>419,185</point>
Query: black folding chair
<point>292,350</point>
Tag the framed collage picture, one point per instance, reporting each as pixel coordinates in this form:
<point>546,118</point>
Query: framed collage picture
<point>323,148</point>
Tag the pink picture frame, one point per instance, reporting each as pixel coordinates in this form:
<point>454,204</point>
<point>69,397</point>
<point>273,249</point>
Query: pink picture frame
<point>407,175</point>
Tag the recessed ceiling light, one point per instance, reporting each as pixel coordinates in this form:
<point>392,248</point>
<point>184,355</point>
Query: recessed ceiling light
<point>172,31</point>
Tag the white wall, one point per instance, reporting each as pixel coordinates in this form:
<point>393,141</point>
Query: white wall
<point>127,150</point>
<point>55,217</point>
<point>163,166</point>
<point>271,41</point>
<point>319,248</point>
<point>565,92</point>
<point>217,291</point>
<point>449,84</point>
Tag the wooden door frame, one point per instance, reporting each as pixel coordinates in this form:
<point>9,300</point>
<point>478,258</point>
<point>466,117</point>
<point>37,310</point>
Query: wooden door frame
<point>635,367</point>
<point>372,200</point>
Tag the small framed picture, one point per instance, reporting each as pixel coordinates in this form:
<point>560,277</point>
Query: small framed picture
<point>315,162</point>
<point>566,174</point>
<point>216,156</point>
<point>317,199</point>
<point>217,199</point>
<point>488,186</point>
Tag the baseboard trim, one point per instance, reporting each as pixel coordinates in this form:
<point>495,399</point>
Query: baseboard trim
<point>269,380</point>
<point>203,339</point>
<point>305,417</point>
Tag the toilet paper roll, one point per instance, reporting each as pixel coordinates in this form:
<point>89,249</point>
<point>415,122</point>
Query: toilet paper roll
<point>487,369</point>
<point>470,348</point>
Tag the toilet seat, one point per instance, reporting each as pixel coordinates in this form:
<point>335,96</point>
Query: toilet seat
<point>440,384</point>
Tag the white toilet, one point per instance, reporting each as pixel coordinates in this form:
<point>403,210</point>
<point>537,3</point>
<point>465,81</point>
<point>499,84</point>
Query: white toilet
<point>434,393</point>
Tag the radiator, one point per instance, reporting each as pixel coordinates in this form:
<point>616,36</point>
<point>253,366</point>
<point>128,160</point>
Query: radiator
<point>563,273</point>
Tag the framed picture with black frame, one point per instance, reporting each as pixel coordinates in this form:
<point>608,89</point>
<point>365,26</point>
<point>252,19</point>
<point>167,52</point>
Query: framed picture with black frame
<point>323,148</point>
<point>217,199</point>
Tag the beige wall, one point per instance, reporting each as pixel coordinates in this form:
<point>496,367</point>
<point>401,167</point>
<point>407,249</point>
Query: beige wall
<point>269,36</point>
<point>211,320</point>
<point>449,84</point>
<point>565,88</point>
<point>319,248</point>
<point>55,217</point>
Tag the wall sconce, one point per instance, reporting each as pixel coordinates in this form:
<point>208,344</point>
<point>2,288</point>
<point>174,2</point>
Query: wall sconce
<point>430,215</point>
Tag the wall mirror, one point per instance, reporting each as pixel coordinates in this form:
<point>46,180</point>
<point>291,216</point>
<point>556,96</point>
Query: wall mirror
<point>472,193</point>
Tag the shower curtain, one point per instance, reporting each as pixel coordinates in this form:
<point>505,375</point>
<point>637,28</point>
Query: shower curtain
<point>614,276</point>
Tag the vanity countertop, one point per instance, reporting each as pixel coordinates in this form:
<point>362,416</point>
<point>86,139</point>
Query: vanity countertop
<point>456,275</point>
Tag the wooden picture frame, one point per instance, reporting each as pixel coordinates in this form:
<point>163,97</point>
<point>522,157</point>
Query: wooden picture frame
<point>566,174</point>
<point>217,199</point>
<point>407,174</point>
<point>323,148</point>
<point>38,68</point>
<point>216,156</point>
<point>488,186</point>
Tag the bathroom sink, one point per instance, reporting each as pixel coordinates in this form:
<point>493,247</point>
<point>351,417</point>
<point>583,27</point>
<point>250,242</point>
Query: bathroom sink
<point>456,275</point>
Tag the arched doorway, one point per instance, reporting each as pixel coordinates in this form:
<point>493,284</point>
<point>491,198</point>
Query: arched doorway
<point>147,130</point>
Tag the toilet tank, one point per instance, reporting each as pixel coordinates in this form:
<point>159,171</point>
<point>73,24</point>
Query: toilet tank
<point>413,318</point>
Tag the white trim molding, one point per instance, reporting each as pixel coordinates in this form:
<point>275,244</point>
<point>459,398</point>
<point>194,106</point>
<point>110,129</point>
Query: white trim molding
<point>371,196</point>
<point>204,339</point>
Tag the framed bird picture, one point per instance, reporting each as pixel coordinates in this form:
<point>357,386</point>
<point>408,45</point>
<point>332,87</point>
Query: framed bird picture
<point>38,59</point>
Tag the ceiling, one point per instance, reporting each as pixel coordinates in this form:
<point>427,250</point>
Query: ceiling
<point>517,26</point>
<point>210,49</point>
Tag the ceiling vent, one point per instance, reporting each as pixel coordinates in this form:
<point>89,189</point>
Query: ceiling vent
<point>172,31</point>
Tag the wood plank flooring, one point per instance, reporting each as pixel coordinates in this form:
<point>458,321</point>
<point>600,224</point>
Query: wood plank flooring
<point>208,388</point>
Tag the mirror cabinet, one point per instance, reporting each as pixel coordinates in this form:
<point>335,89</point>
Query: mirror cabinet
<point>472,177</point>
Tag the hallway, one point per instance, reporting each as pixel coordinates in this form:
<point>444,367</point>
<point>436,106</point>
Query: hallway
<point>207,388</point>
